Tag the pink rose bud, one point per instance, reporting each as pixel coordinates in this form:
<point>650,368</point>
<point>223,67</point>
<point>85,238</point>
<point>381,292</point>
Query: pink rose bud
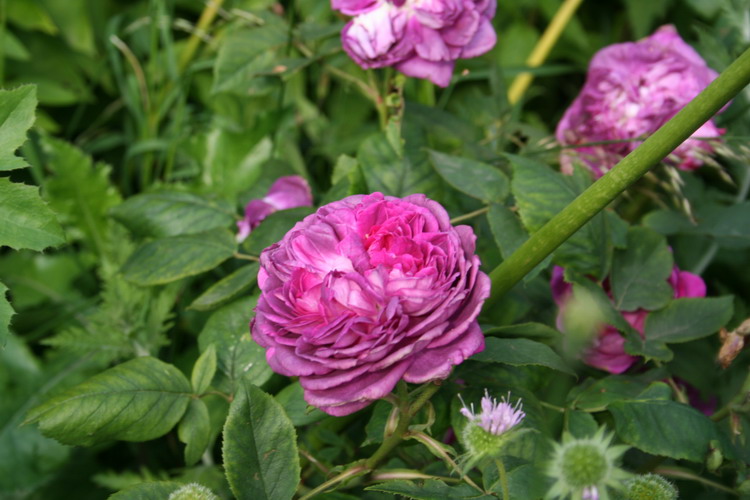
<point>607,352</point>
<point>420,38</point>
<point>287,192</point>
<point>365,292</point>
<point>631,90</point>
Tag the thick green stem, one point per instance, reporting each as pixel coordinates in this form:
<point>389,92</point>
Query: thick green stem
<point>503,478</point>
<point>630,169</point>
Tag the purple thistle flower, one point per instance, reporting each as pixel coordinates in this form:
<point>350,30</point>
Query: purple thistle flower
<point>497,417</point>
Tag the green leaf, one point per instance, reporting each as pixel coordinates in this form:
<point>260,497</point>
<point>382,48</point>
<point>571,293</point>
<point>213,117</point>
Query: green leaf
<point>156,490</point>
<point>195,431</point>
<point>204,370</point>
<point>227,288</point>
<point>17,108</point>
<point>238,355</point>
<point>430,489</point>
<point>542,193</point>
<point>300,413</point>
<point>6,312</point>
<point>471,177</point>
<point>138,400</point>
<point>273,228</point>
<point>682,320</point>
<point>640,272</point>
<point>510,235</point>
<point>519,352</point>
<point>169,259</point>
<point>525,330</point>
<point>388,172</point>
<point>25,220</point>
<point>663,427</point>
<point>172,213</point>
<point>581,424</point>
<point>260,447</point>
<point>598,395</point>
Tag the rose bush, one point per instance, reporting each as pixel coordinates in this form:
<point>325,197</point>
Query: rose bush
<point>607,352</point>
<point>287,192</point>
<point>420,38</point>
<point>367,291</point>
<point>631,90</point>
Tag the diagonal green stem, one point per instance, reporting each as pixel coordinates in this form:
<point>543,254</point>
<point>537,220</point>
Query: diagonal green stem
<point>630,169</point>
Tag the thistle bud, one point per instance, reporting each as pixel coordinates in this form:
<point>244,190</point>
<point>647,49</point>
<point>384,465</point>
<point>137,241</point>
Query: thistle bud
<point>649,487</point>
<point>489,430</point>
<point>193,491</point>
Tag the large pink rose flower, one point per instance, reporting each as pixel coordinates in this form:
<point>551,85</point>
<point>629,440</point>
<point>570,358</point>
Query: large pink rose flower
<point>607,352</point>
<point>365,292</point>
<point>287,192</point>
<point>631,90</point>
<point>420,38</point>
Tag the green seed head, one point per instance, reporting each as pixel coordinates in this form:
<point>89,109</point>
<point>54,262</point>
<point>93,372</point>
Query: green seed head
<point>650,487</point>
<point>584,464</point>
<point>193,491</point>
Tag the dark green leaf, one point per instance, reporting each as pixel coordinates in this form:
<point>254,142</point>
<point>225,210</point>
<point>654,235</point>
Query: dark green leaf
<point>169,259</point>
<point>581,424</point>
<point>510,235</point>
<point>6,312</point>
<point>17,108</point>
<point>730,225</point>
<point>25,220</point>
<point>204,370</point>
<point>640,272</point>
<point>428,490</point>
<point>273,228</point>
<point>603,392</point>
<point>227,288</point>
<point>525,330</point>
<point>300,413</point>
<point>171,213</point>
<point>138,400</point>
<point>238,355</point>
<point>390,173</point>
<point>260,447</point>
<point>195,431</point>
<point>157,490</point>
<point>471,177</point>
<point>521,352</point>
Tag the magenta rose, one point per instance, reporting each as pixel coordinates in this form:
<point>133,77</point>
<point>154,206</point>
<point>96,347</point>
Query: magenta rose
<point>607,352</point>
<point>287,192</point>
<point>365,292</point>
<point>420,38</point>
<point>631,90</point>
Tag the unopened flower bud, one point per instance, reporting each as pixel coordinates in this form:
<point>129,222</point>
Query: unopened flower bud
<point>193,491</point>
<point>650,487</point>
<point>715,457</point>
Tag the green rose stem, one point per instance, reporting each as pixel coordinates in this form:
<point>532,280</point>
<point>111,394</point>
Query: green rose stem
<point>544,241</point>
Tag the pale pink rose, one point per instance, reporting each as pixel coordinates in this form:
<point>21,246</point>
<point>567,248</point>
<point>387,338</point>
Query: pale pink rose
<point>367,291</point>
<point>631,90</point>
<point>287,192</point>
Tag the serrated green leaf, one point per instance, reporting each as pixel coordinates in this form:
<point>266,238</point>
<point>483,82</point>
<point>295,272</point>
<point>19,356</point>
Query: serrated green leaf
<point>172,213</point>
<point>471,177</point>
<point>519,352</point>
<point>640,272</point>
<point>17,108</point>
<point>6,312</point>
<point>428,490</point>
<point>227,288</point>
<point>238,355</point>
<point>169,259</point>
<point>195,431</point>
<point>25,220</point>
<point>204,370</point>
<point>273,228</point>
<point>260,447</point>
<point>138,400</point>
<point>157,490</point>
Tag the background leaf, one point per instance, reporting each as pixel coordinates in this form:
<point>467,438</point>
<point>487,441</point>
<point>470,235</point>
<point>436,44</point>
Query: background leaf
<point>273,228</point>
<point>6,313</point>
<point>227,288</point>
<point>195,431</point>
<point>25,220</point>
<point>156,490</point>
<point>521,352</point>
<point>388,172</point>
<point>471,177</point>
<point>204,370</point>
<point>17,108</point>
<point>260,447</point>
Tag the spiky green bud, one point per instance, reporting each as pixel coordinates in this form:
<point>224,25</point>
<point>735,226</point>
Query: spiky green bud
<point>193,491</point>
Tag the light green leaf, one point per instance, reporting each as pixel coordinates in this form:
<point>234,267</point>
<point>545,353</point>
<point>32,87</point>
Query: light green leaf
<point>172,213</point>
<point>260,447</point>
<point>273,228</point>
<point>387,172</point>
<point>138,400</point>
<point>169,259</point>
<point>25,220</point>
<point>227,288</point>
<point>640,272</point>
<point>204,370</point>
<point>471,177</point>
<point>17,108</point>
<point>519,352</point>
<point>238,355</point>
<point>6,312</point>
<point>195,431</point>
<point>429,490</point>
<point>156,490</point>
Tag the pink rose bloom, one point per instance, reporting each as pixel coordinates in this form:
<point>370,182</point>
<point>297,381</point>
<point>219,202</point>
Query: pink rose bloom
<point>631,90</point>
<point>607,352</point>
<point>420,38</point>
<point>365,292</point>
<point>287,192</point>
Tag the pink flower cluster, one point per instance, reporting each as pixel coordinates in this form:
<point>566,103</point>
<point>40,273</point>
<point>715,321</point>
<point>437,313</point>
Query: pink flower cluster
<point>420,38</point>
<point>607,351</point>
<point>287,192</point>
<point>631,90</point>
<point>365,292</point>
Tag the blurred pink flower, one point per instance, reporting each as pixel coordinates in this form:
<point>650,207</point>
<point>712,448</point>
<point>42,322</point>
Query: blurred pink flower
<point>607,352</point>
<point>287,192</point>
<point>365,292</point>
<point>420,38</point>
<point>631,90</point>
